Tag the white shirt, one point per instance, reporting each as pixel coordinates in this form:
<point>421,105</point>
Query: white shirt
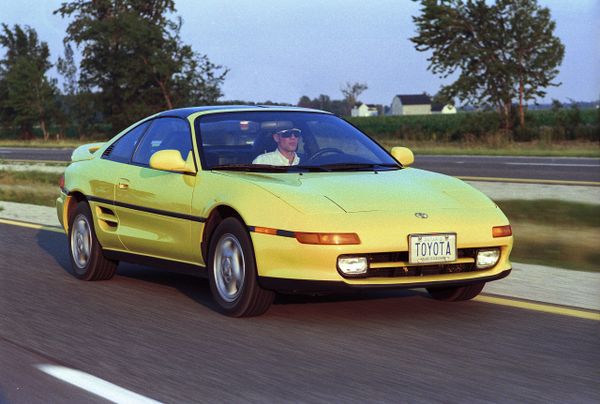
<point>275,158</point>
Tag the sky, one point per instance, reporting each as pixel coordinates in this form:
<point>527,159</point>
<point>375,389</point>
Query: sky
<point>279,50</point>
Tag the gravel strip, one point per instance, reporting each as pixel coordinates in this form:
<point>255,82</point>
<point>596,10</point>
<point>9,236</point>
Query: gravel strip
<point>500,191</point>
<point>33,167</point>
<point>551,285</point>
<point>29,213</point>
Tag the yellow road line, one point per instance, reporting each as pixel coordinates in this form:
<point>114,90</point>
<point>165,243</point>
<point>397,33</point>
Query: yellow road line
<point>32,225</point>
<point>546,308</point>
<point>531,181</point>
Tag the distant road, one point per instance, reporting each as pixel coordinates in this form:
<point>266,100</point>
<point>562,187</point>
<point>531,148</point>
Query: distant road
<point>30,153</point>
<point>527,168</point>
<point>542,168</point>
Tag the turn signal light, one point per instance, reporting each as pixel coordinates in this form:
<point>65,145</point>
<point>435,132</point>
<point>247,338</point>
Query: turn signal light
<point>61,181</point>
<point>502,231</point>
<point>328,238</point>
<point>265,230</point>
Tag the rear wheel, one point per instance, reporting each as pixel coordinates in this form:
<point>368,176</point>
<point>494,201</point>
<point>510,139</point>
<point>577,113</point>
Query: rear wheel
<point>87,260</point>
<point>456,293</point>
<point>232,272</point>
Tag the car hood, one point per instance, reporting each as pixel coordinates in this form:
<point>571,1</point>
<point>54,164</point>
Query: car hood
<point>354,192</point>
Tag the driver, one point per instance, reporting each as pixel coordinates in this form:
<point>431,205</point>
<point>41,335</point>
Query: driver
<point>285,154</point>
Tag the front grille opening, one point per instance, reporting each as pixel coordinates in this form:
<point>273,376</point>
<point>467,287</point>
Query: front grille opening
<point>402,256</point>
<point>425,270</point>
<point>395,264</point>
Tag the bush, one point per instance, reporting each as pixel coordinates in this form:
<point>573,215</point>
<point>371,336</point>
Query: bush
<point>470,127</point>
<point>526,134</point>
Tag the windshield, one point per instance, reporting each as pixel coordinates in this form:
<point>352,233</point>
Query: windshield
<point>279,141</point>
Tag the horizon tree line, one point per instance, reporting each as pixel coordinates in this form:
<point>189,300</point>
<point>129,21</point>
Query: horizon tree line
<point>134,63</point>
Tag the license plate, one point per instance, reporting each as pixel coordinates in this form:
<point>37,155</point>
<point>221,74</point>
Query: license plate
<point>432,248</point>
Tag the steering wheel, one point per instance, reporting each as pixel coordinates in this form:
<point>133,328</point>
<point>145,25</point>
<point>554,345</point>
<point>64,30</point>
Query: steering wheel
<point>327,150</point>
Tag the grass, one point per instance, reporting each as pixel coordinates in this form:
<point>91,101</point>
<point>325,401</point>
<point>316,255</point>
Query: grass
<point>34,187</point>
<point>559,213</point>
<point>28,178</point>
<point>43,195</point>
<point>555,233</point>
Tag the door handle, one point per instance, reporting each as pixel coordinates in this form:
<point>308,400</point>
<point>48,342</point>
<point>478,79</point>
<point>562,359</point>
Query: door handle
<point>123,183</point>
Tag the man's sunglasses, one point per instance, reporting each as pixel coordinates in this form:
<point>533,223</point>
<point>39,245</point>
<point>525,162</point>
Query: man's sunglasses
<point>287,133</point>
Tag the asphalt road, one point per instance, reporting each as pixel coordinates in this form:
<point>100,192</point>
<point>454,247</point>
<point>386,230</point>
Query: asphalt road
<point>542,168</point>
<point>32,153</point>
<point>539,168</point>
<point>157,333</point>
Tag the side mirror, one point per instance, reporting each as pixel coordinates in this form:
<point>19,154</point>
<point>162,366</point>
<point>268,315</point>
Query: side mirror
<point>170,160</point>
<point>403,155</point>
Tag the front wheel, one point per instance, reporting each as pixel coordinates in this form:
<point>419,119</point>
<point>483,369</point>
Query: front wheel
<point>456,293</point>
<point>232,272</point>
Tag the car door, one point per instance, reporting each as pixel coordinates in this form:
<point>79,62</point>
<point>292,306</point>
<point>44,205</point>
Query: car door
<point>104,183</point>
<point>154,206</point>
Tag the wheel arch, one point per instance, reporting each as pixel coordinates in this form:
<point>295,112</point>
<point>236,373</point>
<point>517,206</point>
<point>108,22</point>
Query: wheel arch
<point>73,199</point>
<point>217,215</point>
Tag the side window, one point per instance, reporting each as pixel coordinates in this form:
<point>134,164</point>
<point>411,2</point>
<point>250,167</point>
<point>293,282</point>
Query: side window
<point>164,134</point>
<point>123,148</point>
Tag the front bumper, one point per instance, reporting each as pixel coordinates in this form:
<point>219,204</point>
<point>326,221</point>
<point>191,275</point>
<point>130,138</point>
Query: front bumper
<point>61,203</point>
<point>285,258</point>
<point>306,286</point>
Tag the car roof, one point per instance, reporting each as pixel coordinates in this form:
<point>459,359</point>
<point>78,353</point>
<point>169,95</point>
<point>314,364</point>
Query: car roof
<point>185,112</point>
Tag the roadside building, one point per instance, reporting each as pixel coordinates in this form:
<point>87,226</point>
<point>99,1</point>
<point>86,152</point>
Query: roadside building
<point>443,109</point>
<point>362,109</point>
<point>418,104</point>
<point>411,104</point>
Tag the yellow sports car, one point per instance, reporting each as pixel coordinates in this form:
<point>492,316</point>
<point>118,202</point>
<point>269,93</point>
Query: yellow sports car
<point>274,199</point>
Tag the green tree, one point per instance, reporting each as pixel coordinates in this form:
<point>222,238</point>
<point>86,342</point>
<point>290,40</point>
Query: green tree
<point>351,93</point>
<point>324,102</point>
<point>133,54</point>
<point>500,51</point>
<point>28,95</point>
<point>305,102</point>
<point>78,103</point>
<point>556,105</point>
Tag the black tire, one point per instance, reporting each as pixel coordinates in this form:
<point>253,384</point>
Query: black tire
<point>456,293</point>
<point>232,272</point>
<point>87,260</point>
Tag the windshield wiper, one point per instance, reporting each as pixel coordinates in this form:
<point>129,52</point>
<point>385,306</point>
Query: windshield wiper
<point>251,167</point>
<point>299,168</point>
<point>307,169</point>
<point>359,166</point>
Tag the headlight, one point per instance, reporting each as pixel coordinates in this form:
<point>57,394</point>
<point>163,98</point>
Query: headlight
<point>353,265</point>
<point>487,258</point>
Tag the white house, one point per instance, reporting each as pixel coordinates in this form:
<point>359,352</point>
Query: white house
<point>364,110</point>
<point>418,104</point>
<point>443,109</point>
<point>411,104</point>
